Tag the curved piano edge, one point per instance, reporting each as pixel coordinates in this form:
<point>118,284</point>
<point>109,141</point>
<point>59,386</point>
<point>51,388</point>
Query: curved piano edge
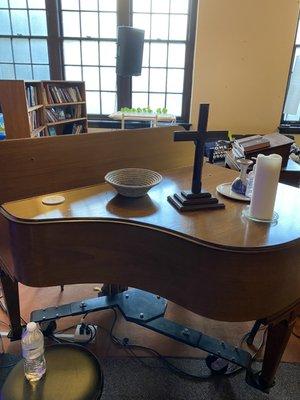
<point>245,249</point>
<point>218,283</point>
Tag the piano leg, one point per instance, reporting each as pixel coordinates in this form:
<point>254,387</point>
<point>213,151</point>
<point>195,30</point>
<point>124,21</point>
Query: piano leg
<point>279,333</point>
<point>11,297</point>
<point>277,339</point>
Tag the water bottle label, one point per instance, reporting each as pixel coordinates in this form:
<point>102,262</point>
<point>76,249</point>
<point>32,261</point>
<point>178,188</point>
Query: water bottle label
<point>32,354</point>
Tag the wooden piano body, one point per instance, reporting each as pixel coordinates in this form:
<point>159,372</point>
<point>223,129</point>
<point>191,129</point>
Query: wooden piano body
<point>215,263</point>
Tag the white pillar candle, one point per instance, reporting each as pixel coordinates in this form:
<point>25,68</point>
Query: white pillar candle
<point>265,186</point>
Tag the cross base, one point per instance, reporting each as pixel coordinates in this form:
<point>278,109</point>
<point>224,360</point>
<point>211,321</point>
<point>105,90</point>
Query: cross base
<point>188,201</point>
<point>188,194</point>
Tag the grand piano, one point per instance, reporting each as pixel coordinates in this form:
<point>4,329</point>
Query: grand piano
<point>215,263</point>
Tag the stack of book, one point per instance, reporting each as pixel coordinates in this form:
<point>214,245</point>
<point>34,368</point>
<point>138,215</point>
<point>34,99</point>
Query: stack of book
<point>251,146</point>
<point>34,120</point>
<point>31,95</point>
<point>244,146</point>
<point>53,114</point>
<point>77,113</point>
<point>77,128</point>
<point>57,94</point>
<point>58,114</point>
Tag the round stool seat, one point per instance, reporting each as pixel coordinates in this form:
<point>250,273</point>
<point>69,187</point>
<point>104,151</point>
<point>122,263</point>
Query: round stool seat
<point>73,373</point>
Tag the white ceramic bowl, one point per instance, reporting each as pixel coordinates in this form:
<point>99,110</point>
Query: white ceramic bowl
<point>133,182</point>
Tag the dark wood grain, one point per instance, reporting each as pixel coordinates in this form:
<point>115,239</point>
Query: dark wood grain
<point>222,228</point>
<point>10,290</point>
<point>278,337</point>
<point>15,112</point>
<point>218,255</point>
<point>50,164</point>
<point>213,282</point>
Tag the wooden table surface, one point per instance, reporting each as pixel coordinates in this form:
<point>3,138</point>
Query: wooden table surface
<point>222,228</point>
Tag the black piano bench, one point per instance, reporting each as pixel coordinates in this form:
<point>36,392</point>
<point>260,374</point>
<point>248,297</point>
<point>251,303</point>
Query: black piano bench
<point>73,372</point>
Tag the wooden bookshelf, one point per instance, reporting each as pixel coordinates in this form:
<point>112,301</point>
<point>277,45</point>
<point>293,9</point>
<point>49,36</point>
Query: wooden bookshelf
<point>26,106</point>
<point>33,108</point>
<point>65,121</point>
<point>66,98</point>
<point>64,104</point>
<point>36,132</point>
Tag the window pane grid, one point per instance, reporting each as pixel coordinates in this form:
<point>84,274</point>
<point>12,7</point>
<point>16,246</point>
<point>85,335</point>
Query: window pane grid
<point>83,60</point>
<point>100,15</point>
<point>24,58</point>
<point>90,11</point>
<point>23,21</point>
<point>291,111</point>
<point>23,32</point>
<point>163,66</point>
<point>160,12</point>
<point>21,9</point>
<point>96,33</point>
<point>165,23</point>
<point>89,6</point>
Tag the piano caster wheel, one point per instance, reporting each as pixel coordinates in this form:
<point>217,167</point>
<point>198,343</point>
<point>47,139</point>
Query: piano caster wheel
<point>62,288</point>
<point>217,365</point>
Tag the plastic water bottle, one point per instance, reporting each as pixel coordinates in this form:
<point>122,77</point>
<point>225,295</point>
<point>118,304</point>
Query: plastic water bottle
<point>33,352</point>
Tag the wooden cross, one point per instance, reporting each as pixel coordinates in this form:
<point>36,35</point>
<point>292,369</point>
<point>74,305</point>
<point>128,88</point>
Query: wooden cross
<point>198,137</point>
<point>195,199</point>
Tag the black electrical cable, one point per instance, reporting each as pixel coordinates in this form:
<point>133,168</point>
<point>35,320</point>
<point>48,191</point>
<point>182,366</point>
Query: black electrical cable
<point>9,365</point>
<point>4,323</point>
<point>295,334</point>
<point>66,329</point>
<point>130,348</point>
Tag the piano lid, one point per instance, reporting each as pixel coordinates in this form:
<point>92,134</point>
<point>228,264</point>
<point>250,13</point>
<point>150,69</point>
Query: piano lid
<point>222,228</point>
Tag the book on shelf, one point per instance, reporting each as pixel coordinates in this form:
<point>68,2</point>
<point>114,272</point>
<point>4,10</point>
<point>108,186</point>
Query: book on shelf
<point>66,94</point>
<point>77,128</point>
<point>55,114</point>
<point>73,129</point>
<point>34,120</point>
<point>68,129</point>
<point>31,95</point>
<point>40,133</point>
<point>51,131</point>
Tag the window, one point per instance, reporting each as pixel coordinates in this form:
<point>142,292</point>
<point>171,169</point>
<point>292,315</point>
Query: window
<point>291,110</point>
<point>89,47</point>
<point>23,43</point>
<point>165,24</point>
<point>76,40</point>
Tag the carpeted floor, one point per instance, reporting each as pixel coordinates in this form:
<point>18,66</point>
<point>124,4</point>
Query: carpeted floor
<point>128,379</point>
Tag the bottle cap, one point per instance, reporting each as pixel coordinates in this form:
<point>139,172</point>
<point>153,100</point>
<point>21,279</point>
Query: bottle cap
<point>31,326</point>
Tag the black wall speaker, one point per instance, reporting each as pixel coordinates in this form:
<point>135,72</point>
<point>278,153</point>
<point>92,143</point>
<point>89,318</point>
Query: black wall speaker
<point>130,46</point>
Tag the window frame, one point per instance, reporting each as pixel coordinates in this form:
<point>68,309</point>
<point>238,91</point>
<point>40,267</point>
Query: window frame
<point>287,126</point>
<point>124,85</point>
<point>28,36</point>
